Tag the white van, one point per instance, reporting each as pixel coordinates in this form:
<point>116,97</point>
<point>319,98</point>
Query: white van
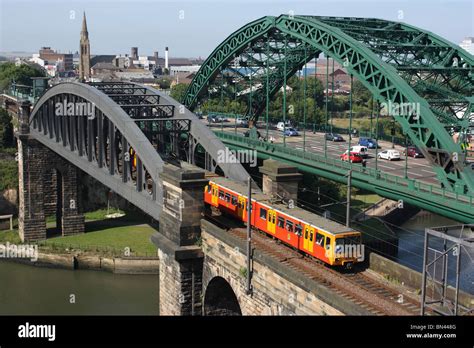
<point>362,151</point>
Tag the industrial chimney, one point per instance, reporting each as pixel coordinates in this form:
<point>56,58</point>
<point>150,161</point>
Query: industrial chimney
<point>166,59</point>
<point>134,53</point>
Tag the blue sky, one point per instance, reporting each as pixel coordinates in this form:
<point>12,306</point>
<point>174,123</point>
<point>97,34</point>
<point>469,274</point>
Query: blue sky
<point>115,26</point>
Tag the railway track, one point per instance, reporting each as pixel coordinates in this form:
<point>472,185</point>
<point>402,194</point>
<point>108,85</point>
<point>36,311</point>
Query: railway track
<point>362,289</point>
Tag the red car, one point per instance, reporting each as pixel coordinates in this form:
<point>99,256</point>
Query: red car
<point>354,158</point>
<point>414,152</point>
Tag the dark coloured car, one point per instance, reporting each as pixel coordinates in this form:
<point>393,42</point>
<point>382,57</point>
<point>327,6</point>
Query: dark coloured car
<point>414,152</point>
<point>368,142</point>
<point>333,137</point>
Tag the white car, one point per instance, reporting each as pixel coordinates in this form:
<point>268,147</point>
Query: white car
<point>389,155</point>
<point>360,150</point>
<point>242,122</point>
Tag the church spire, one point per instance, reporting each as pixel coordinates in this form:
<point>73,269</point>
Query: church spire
<point>84,53</point>
<point>84,25</point>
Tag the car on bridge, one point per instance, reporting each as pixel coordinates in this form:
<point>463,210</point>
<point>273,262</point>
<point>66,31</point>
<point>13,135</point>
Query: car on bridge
<point>369,143</point>
<point>389,155</point>
<point>242,122</point>
<point>281,126</point>
<point>413,151</point>
<point>353,158</point>
<point>362,151</point>
<point>333,137</point>
<point>290,132</point>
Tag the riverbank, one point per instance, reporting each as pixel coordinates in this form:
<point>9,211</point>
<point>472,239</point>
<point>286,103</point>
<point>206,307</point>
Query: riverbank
<point>88,261</point>
<point>118,245</point>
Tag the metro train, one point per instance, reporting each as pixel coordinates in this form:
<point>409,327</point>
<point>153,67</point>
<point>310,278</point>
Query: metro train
<point>323,239</point>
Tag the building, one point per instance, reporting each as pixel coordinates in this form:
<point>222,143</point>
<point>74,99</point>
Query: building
<point>468,44</point>
<point>84,53</point>
<point>53,62</point>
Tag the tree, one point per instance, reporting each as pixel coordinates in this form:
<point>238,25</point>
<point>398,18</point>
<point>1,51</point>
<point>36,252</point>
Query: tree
<point>6,130</point>
<point>21,74</point>
<point>178,91</point>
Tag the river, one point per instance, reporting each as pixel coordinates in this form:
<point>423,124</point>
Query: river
<point>410,248</point>
<point>29,290</point>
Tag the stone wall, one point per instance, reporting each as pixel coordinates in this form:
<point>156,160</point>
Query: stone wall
<point>275,290</point>
<point>38,169</point>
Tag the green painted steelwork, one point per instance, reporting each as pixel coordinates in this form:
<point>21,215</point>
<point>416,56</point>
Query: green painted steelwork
<point>399,64</point>
<point>453,205</point>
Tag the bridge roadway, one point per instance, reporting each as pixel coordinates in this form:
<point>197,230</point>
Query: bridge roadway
<point>417,168</point>
<point>420,188</point>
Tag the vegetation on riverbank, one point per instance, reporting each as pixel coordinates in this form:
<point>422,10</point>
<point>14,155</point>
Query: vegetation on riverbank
<point>123,236</point>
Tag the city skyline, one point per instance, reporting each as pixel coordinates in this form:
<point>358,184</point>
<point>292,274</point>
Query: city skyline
<point>179,25</point>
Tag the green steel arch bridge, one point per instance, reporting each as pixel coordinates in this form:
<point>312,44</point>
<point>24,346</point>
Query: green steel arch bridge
<point>398,63</point>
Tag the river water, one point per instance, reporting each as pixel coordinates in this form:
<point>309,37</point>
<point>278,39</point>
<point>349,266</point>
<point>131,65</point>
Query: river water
<point>410,249</point>
<point>29,290</point>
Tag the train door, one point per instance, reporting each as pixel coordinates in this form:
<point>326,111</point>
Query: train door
<point>241,207</point>
<point>214,195</point>
<point>271,222</point>
<point>328,250</point>
<point>311,239</point>
<point>308,238</point>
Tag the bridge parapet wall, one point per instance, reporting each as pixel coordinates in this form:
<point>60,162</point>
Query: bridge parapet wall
<point>277,288</point>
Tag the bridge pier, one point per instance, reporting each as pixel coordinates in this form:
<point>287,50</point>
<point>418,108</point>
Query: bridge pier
<point>280,180</point>
<point>48,185</point>
<point>178,240</point>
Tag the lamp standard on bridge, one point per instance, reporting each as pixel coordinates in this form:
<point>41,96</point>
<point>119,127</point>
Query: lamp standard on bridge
<point>348,203</point>
<point>249,236</point>
<point>267,103</point>
<point>304,101</point>
<point>284,92</point>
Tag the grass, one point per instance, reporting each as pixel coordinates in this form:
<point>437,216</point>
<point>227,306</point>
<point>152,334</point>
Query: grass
<point>344,122</point>
<point>10,236</point>
<point>108,239</point>
<point>103,236</point>
<point>364,200</point>
<point>8,174</point>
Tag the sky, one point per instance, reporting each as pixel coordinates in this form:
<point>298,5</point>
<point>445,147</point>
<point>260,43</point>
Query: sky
<point>193,28</point>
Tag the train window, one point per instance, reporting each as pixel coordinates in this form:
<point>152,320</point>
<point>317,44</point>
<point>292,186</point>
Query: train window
<point>234,200</point>
<point>299,230</point>
<point>281,222</point>
<point>319,238</point>
<point>289,226</point>
<point>263,214</point>
<point>221,194</point>
<point>209,189</point>
<point>273,218</point>
<point>227,197</point>
<point>306,233</point>
<point>328,242</point>
<point>311,236</point>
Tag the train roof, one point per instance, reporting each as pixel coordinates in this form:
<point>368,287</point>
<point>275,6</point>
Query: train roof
<point>240,188</point>
<point>311,218</point>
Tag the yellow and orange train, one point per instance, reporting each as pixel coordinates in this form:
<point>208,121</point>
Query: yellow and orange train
<point>326,240</point>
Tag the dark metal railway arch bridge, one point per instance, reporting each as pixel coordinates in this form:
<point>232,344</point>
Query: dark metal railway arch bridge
<point>396,62</point>
<point>122,133</point>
